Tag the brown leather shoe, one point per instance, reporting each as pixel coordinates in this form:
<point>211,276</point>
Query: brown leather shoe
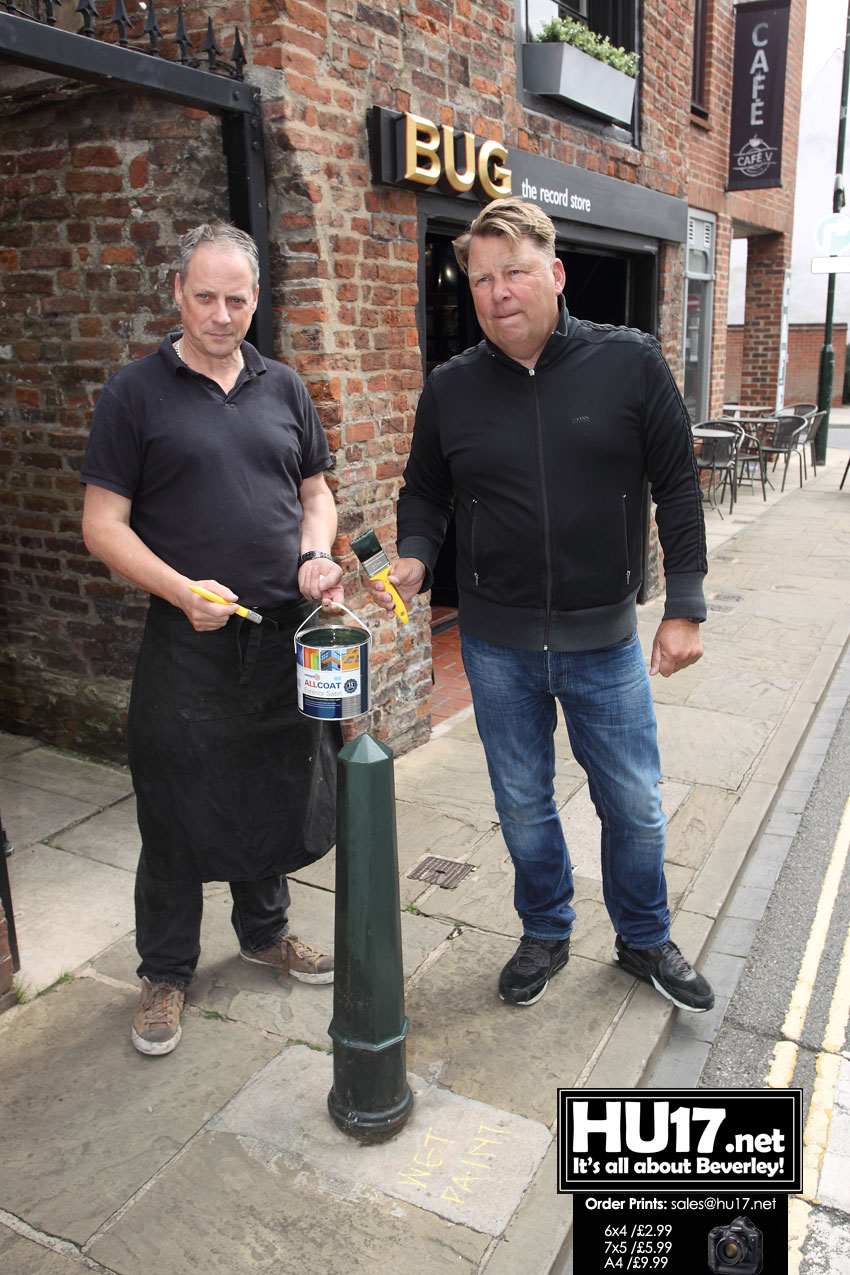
<point>295,957</point>
<point>156,1025</point>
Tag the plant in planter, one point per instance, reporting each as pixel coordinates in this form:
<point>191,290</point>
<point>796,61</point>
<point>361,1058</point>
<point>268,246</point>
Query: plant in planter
<point>568,31</point>
<point>568,61</point>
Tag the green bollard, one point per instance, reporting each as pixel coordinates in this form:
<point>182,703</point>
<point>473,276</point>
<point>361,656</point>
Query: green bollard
<point>370,1099</point>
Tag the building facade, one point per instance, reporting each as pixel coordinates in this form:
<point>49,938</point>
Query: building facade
<point>386,127</point>
<point>820,113</point>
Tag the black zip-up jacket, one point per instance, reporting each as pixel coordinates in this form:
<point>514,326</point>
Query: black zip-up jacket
<point>546,470</point>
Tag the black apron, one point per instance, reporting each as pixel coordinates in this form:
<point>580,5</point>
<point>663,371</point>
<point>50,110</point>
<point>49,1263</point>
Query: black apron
<point>232,782</point>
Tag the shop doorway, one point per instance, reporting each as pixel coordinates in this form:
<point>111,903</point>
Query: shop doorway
<point>601,285</point>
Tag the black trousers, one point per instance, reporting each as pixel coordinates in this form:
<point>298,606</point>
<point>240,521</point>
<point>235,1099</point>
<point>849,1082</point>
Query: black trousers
<point>168,922</point>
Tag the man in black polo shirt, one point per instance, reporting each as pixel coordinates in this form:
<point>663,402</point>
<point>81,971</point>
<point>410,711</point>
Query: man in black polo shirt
<point>205,467</point>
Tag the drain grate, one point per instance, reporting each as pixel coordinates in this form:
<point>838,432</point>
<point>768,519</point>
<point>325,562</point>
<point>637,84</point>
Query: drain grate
<point>719,601</point>
<point>444,872</point>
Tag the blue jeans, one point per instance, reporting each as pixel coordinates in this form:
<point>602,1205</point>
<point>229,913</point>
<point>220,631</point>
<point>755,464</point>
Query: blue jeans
<point>607,705</point>
<point>168,922</point>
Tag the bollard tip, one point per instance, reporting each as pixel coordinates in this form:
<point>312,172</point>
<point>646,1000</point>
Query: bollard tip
<point>365,750</point>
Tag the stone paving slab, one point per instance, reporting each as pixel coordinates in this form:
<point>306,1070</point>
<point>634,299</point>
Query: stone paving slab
<point>87,781</point>
<point>420,830</point>
<point>739,691</point>
<point>464,1037</point>
<point>692,830</point>
<point>702,746</point>
<point>484,898</point>
<point>111,837</point>
<point>583,830</point>
<point>464,1160</point>
<point>30,815</point>
<point>536,1236</point>
<point>22,1256</point>
<point>261,998</point>
<point>86,1120</point>
<point>220,1208</point>
<point>12,745</point>
<point>484,901</point>
<point>54,893</point>
<point>453,777</point>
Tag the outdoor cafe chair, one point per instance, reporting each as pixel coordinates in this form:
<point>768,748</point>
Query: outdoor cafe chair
<point>718,454</point>
<point>797,409</point>
<point>785,436</point>
<point>814,429</point>
<point>751,460</point>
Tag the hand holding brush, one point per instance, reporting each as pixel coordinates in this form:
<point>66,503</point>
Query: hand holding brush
<point>377,567</point>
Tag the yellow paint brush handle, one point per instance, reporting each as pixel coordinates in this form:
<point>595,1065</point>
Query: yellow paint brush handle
<point>214,597</point>
<point>398,606</point>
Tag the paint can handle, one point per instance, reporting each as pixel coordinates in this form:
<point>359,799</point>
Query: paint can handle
<point>342,607</point>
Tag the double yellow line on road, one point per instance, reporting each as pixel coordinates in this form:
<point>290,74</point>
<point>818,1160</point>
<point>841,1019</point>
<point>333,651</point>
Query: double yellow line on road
<point>828,1062</point>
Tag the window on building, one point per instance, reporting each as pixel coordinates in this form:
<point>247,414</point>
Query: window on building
<point>698,96</point>
<point>614,18</point>
<point>699,301</point>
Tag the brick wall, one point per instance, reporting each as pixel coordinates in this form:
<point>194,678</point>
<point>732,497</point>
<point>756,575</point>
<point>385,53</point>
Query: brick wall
<point>805,342</point>
<point>88,230</point>
<point>96,186</point>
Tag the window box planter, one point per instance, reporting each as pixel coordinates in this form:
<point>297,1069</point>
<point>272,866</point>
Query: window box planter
<point>556,69</point>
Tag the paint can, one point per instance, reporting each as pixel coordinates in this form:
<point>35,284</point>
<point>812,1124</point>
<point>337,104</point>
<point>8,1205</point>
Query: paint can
<point>332,669</point>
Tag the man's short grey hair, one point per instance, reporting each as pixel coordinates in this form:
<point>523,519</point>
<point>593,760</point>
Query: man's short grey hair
<point>221,232</point>
<point>514,219</point>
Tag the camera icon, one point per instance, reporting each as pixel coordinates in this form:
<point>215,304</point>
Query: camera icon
<point>735,1249</point>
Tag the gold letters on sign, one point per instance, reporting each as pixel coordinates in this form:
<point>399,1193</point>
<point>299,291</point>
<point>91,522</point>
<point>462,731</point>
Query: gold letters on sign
<point>431,156</point>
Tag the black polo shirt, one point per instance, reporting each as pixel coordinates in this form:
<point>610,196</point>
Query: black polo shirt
<point>213,477</point>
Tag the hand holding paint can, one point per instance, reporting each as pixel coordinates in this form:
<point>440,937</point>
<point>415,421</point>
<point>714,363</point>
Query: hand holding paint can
<point>332,668</point>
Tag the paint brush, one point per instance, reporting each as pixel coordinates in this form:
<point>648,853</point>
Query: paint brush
<point>253,616</point>
<point>376,564</point>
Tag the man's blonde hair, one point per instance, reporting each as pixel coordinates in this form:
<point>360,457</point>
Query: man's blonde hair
<point>512,218</point>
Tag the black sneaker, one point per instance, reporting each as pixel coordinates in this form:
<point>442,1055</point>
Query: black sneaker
<point>668,971</point>
<point>526,975</point>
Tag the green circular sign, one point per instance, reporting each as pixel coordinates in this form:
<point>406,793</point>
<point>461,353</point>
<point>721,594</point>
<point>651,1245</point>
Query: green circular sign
<point>832,235</point>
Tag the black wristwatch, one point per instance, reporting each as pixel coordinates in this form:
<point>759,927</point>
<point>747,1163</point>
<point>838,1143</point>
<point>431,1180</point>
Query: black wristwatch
<point>313,553</point>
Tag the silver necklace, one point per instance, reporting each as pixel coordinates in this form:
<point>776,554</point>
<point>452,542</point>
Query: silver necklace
<point>179,352</point>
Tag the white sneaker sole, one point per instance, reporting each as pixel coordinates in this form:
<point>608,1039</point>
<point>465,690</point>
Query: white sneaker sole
<point>156,1047</point>
<point>522,1004</point>
<point>688,1009</point>
<point>327,977</point>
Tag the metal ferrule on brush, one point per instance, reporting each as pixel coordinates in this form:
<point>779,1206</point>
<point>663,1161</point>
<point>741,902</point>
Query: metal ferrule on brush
<point>376,563</point>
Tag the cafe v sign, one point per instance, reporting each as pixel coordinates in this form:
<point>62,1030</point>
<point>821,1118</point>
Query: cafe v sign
<point>758,95</point>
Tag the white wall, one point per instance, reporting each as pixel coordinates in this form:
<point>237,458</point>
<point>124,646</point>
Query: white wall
<point>813,201</point>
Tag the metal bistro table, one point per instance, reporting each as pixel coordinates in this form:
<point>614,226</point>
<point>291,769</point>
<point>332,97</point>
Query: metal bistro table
<point>738,411</point>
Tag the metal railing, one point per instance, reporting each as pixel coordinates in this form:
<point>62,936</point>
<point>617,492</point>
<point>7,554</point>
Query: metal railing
<point>45,12</point>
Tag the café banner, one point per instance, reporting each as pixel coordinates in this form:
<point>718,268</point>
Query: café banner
<point>758,94</point>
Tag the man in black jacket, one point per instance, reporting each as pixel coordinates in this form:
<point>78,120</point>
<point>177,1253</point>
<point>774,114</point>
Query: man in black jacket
<point>540,440</point>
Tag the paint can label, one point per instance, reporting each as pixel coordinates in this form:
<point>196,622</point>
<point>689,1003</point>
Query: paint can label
<point>332,681</point>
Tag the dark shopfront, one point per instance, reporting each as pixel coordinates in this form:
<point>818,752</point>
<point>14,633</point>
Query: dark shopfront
<point>609,242</point>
